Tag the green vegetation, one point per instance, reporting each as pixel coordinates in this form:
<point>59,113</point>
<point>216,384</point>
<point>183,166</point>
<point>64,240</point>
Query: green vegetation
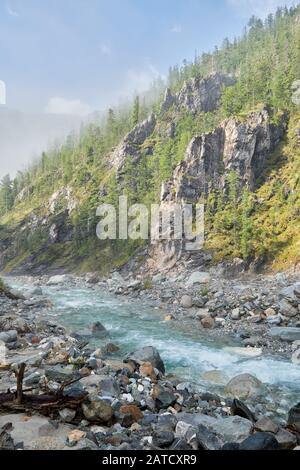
<point>263,225</point>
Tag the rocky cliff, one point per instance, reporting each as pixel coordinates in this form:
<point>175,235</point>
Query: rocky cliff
<point>242,147</point>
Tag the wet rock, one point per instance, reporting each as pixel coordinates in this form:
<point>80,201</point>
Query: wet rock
<point>265,424</point>
<point>97,410</point>
<point>36,291</point>
<point>109,348</point>
<point>186,301</point>
<point>244,386</point>
<point>260,441</point>
<point>216,376</point>
<point>98,329</point>
<point>294,417</point>
<point>296,357</point>
<point>147,354</point>
<point>286,333</point>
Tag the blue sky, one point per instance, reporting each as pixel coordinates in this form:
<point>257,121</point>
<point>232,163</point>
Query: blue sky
<point>75,56</point>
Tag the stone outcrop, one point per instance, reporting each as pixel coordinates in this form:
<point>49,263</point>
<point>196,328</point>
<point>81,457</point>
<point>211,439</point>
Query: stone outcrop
<point>130,146</point>
<point>242,147</point>
<point>198,94</point>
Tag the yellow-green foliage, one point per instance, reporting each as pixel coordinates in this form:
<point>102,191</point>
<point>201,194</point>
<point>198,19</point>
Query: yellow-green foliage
<point>265,224</point>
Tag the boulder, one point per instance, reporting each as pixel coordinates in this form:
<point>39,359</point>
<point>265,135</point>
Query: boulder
<point>232,428</point>
<point>186,301</point>
<point>163,397</point>
<point>215,376</point>
<point>108,386</point>
<point>58,279</point>
<point>98,329</point>
<point>208,322</point>
<point>265,424</point>
<point>287,309</point>
<point>198,277</point>
<point>286,333</point>
<point>286,439</point>
<point>146,354</point>
<point>208,440</point>
<point>97,410</point>
<point>9,336</point>
<point>60,374</point>
<point>260,441</point>
<point>244,386</point>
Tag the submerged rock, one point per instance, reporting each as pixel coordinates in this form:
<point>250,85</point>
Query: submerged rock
<point>244,386</point>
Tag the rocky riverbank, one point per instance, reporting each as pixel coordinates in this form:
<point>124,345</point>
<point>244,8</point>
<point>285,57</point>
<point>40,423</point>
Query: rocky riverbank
<point>93,400</point>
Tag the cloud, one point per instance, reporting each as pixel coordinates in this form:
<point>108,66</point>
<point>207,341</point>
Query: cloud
<point>176,28</point>
<point>11,12</point>
<point>105,49</point>
<point>259,8</point>
<point>139,80</point>
<point>60,105</point>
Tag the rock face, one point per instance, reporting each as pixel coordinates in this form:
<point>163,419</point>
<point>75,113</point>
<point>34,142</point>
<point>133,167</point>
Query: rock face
<point>198,94</point>
<point>235,146</point>
<point>131,143</point>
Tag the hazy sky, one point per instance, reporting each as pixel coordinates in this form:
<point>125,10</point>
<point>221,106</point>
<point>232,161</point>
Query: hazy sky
<point>75,56</point>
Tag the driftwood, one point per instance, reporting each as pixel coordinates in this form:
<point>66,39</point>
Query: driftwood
<point>45,403</point>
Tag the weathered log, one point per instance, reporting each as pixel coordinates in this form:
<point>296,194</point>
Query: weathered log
<point>44,403</point>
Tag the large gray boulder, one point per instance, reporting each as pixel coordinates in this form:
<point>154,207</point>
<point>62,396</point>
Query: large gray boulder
<point>244,386</point>
<point>147,354</point>
<point>286,333</point>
